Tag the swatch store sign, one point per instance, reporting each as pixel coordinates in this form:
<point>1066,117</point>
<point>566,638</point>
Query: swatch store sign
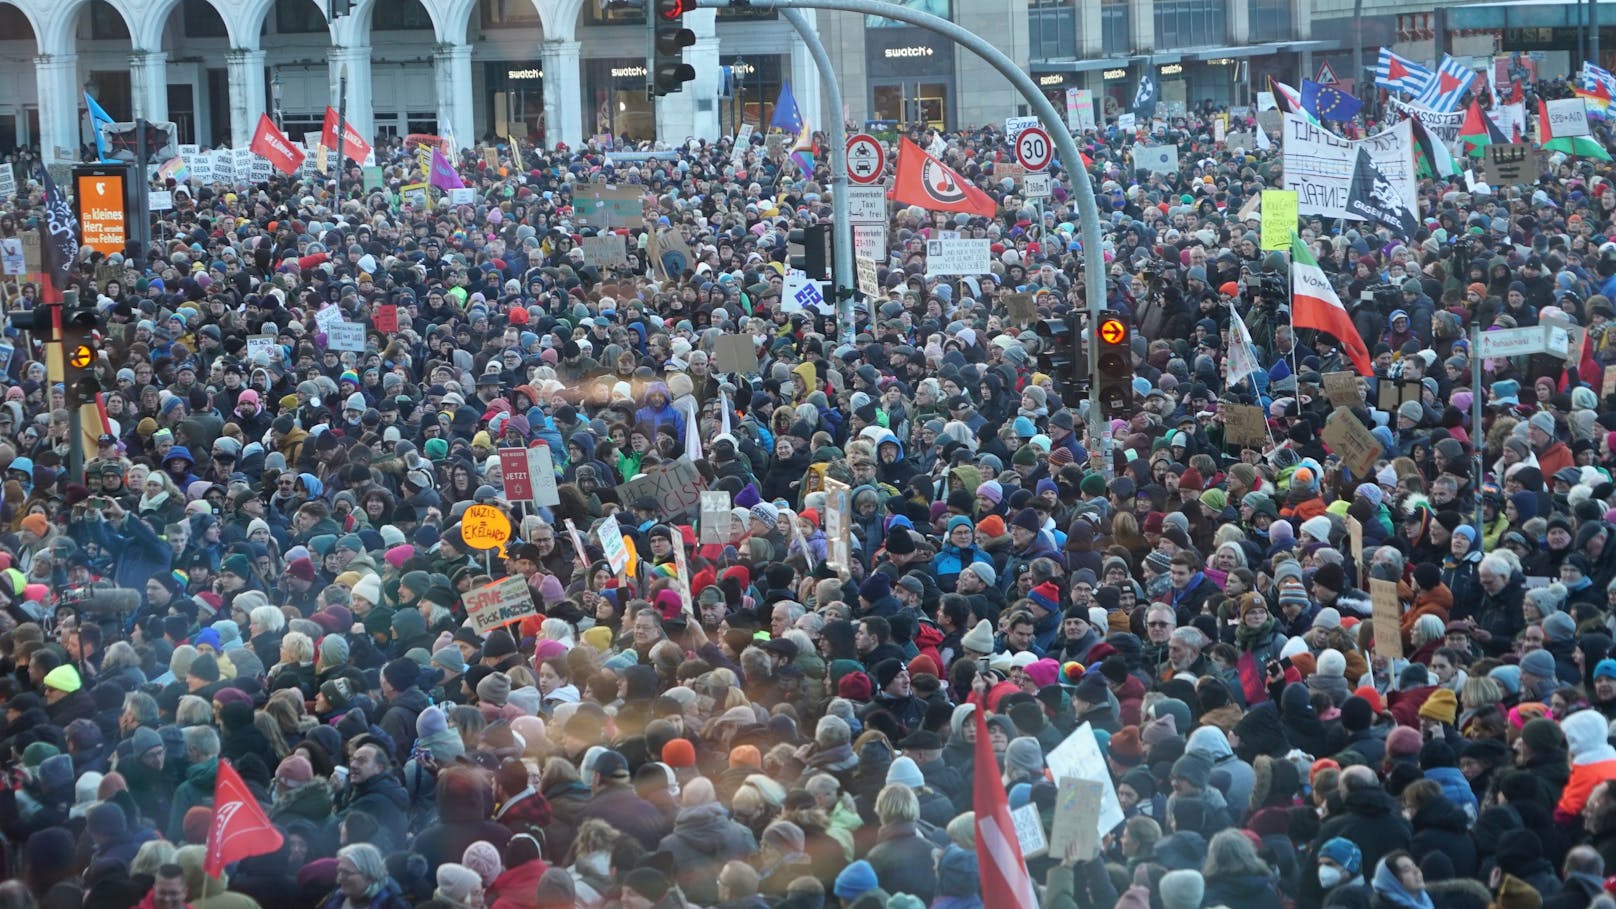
<point>908,52</point>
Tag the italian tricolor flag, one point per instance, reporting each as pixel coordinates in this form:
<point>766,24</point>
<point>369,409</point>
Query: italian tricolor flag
<point>1314,305</point>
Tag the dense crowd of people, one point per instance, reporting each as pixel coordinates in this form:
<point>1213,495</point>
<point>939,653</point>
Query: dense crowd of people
<point>768,727</point>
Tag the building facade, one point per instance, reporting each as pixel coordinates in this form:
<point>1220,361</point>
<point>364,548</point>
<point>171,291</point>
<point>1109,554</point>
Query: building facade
<point>547,70</point>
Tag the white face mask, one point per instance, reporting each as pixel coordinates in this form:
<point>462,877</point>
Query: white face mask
<point>1330,875</point>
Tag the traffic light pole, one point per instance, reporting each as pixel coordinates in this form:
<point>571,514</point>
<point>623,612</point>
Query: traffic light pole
<point>842,222</point>
<point>1088,212</point>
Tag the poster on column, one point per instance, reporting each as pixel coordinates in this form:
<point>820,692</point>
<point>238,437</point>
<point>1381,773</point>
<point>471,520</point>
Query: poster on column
<point>1320,165</point>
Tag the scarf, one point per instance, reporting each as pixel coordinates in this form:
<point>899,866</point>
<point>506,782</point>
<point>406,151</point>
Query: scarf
<point>1390,889</point>
<point>1248,638</point>
<point>152,502</point>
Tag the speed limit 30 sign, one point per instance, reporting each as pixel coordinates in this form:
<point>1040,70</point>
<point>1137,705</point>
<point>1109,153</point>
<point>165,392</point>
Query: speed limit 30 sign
<point>1034,149</point>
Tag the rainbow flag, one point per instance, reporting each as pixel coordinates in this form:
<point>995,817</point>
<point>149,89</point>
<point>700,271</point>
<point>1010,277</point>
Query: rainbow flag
<point>802,151</point>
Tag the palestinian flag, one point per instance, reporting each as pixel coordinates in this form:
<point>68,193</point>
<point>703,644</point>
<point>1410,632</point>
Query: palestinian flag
<point>1289,100</point>
<point>1477,131</point>
<point>1315,305</point>
<point>1581,146</point>
<point>1431,154</point>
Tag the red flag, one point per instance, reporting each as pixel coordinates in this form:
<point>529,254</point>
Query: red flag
<point>240,828</point>
<point>352,145</point>
<point>929,183</point>
<point>1005,882</point>
<point>271,143</point>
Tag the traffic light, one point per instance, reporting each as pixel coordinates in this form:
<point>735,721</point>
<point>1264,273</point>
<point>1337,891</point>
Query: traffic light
<point>808,250</point>
<point>1116,365</point>
<point>40,321</point>
<point>79,326</point>
<point>1058,356</point>
<point>669,38</point>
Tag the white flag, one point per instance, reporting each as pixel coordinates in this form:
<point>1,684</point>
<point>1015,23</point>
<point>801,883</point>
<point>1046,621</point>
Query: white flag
<point>1242,359</point>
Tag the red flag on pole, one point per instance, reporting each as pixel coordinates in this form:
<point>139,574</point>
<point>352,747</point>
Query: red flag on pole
<point>353,146</point>
<point>271,143</point>
<point>1005,882</point>
<point>240,828</point>
<point>929,183</point>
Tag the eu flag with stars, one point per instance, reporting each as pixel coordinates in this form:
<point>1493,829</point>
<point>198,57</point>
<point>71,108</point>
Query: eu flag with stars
<point>1328,103</point>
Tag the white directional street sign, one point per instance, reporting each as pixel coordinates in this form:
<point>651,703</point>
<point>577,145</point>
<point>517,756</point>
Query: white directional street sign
<point>867,204</point>
<point>1518,342</point>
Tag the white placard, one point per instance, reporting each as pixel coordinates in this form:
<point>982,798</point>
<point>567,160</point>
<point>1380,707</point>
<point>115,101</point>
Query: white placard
<point>1079,756</point>
<point>261,171</point>
<point>1079,109</point>
<point>541,474</point>
<point>1014,126</point>
<point>1029,830</point>
<point>611,544</point>
<point>326,317</point>
<point>160,200</point>
<point>869,278</point>
<point>958,257</point>
<point>797,293</point>
<point>1568,117</point>
<point>464,195</point>
<point>241,165</point>
<point>260,349</point>
<point>717,521</point>
<point>1035,186</point>
<point>1445,126</point>
<point>8,181</point>
<point>346,336</point>
<point>1265,101</point>
<point>1319,165</point>
<point>743,141</point>
<point>224,166</point>
<point>867,204</point>
<point>1158,159</point>
<point>13,261</point>
<point>870,241</point>
<point>500,603</point>
<point>1127,122</point>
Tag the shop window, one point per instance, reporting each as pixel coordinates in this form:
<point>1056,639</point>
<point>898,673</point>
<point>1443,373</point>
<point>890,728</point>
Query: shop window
<point>1116,27</point>
<point>407,15</point>
<point>298,17</point>
<point>510,13</point>
<point>1271,20</point>
<point>1190,23</point>
<point>1053,28</point>
<point>421,122</point>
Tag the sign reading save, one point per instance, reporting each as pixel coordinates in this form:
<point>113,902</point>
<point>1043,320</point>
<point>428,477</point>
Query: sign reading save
<point>500,603</point>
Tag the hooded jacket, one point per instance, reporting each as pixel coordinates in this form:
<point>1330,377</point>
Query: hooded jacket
<point>1212,744</point>
<point>1593,761</point>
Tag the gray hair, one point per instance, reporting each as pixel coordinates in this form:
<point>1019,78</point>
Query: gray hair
<point>832,731</point>
<point>1496,565</point>
<point>143,706</point>
<point>120,655</point>
<point>1191,636</point>
<point>269,618</point>
<point>367,860</point>
<point>203,741</point>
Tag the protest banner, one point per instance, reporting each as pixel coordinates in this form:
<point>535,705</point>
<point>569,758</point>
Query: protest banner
<point>386,318</point>
<point>513,472</point>
<point>1078,757</point>
<point>1279,217</point>
<point>608,251</point>
<point>716,524</point>
<point>500,603</point>
<point>346,336</point>
<point>541,475</point>
<point>736,354</point>
<point>485,527</point>
<point>1245,424</point>
<point>1515,164</point>
<point>1342,389</point>
<point>1444,126</point>
<point>1319,166</point>
<point>1158,159</point>
<point>1077,802</point>
<point>611,544</point>
<point>1352,442</point>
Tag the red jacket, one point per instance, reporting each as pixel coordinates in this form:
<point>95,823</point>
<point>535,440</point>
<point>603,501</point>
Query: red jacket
<point>517,888</point>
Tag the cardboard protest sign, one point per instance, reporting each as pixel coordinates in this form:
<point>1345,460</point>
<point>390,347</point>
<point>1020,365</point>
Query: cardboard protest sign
<point>1388,610</point>
<point>675,487</point>
<point>1514,164</point>
<point>1021,309</point>
<point>736,354</point>
<point>607,251</point>
<point>1078,757</point>
<point>1342,389</point>
<point>1351,441</point>
<point>1245,424</point>
<point>1077,803</point>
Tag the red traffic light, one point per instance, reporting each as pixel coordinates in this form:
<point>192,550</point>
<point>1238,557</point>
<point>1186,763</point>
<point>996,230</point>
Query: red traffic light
<point>1113,331</point>
<point>671,10</point>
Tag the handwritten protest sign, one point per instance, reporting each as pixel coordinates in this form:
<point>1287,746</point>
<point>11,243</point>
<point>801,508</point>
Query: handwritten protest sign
<point>1351,441</point>
<point>1388,609</point>
<point>612,545</point>
<point>717,521</point>
<point>485,527</point>
<point>500,603</point>
<point>1244,424</point>
<point>1342,389</point>
<point>675,487</point>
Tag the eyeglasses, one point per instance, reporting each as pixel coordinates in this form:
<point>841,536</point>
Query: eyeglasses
<point>1158,624</point>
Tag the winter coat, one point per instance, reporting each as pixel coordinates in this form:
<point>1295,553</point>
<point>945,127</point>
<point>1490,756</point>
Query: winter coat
<point>620,807</point>
<point>1210,743</point>
<point>1247,891</point>
<point>1372,819</point>
<point>517,888</point>
<point>1442,826</point>
<point>1456,788</point>
<point>703,839</point>
<point>383,798</point>
<point>902,860</point>
<point>197,789</point>
<point>388,897</point>
<point>398,720</point>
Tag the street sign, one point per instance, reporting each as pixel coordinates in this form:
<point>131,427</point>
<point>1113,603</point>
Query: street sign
<point>1517,342</point>
<point>1033,149</point>
<point>1326,75</point>
<point>866,159</point>
<point>866,205</point>
<point>1035,186</point>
